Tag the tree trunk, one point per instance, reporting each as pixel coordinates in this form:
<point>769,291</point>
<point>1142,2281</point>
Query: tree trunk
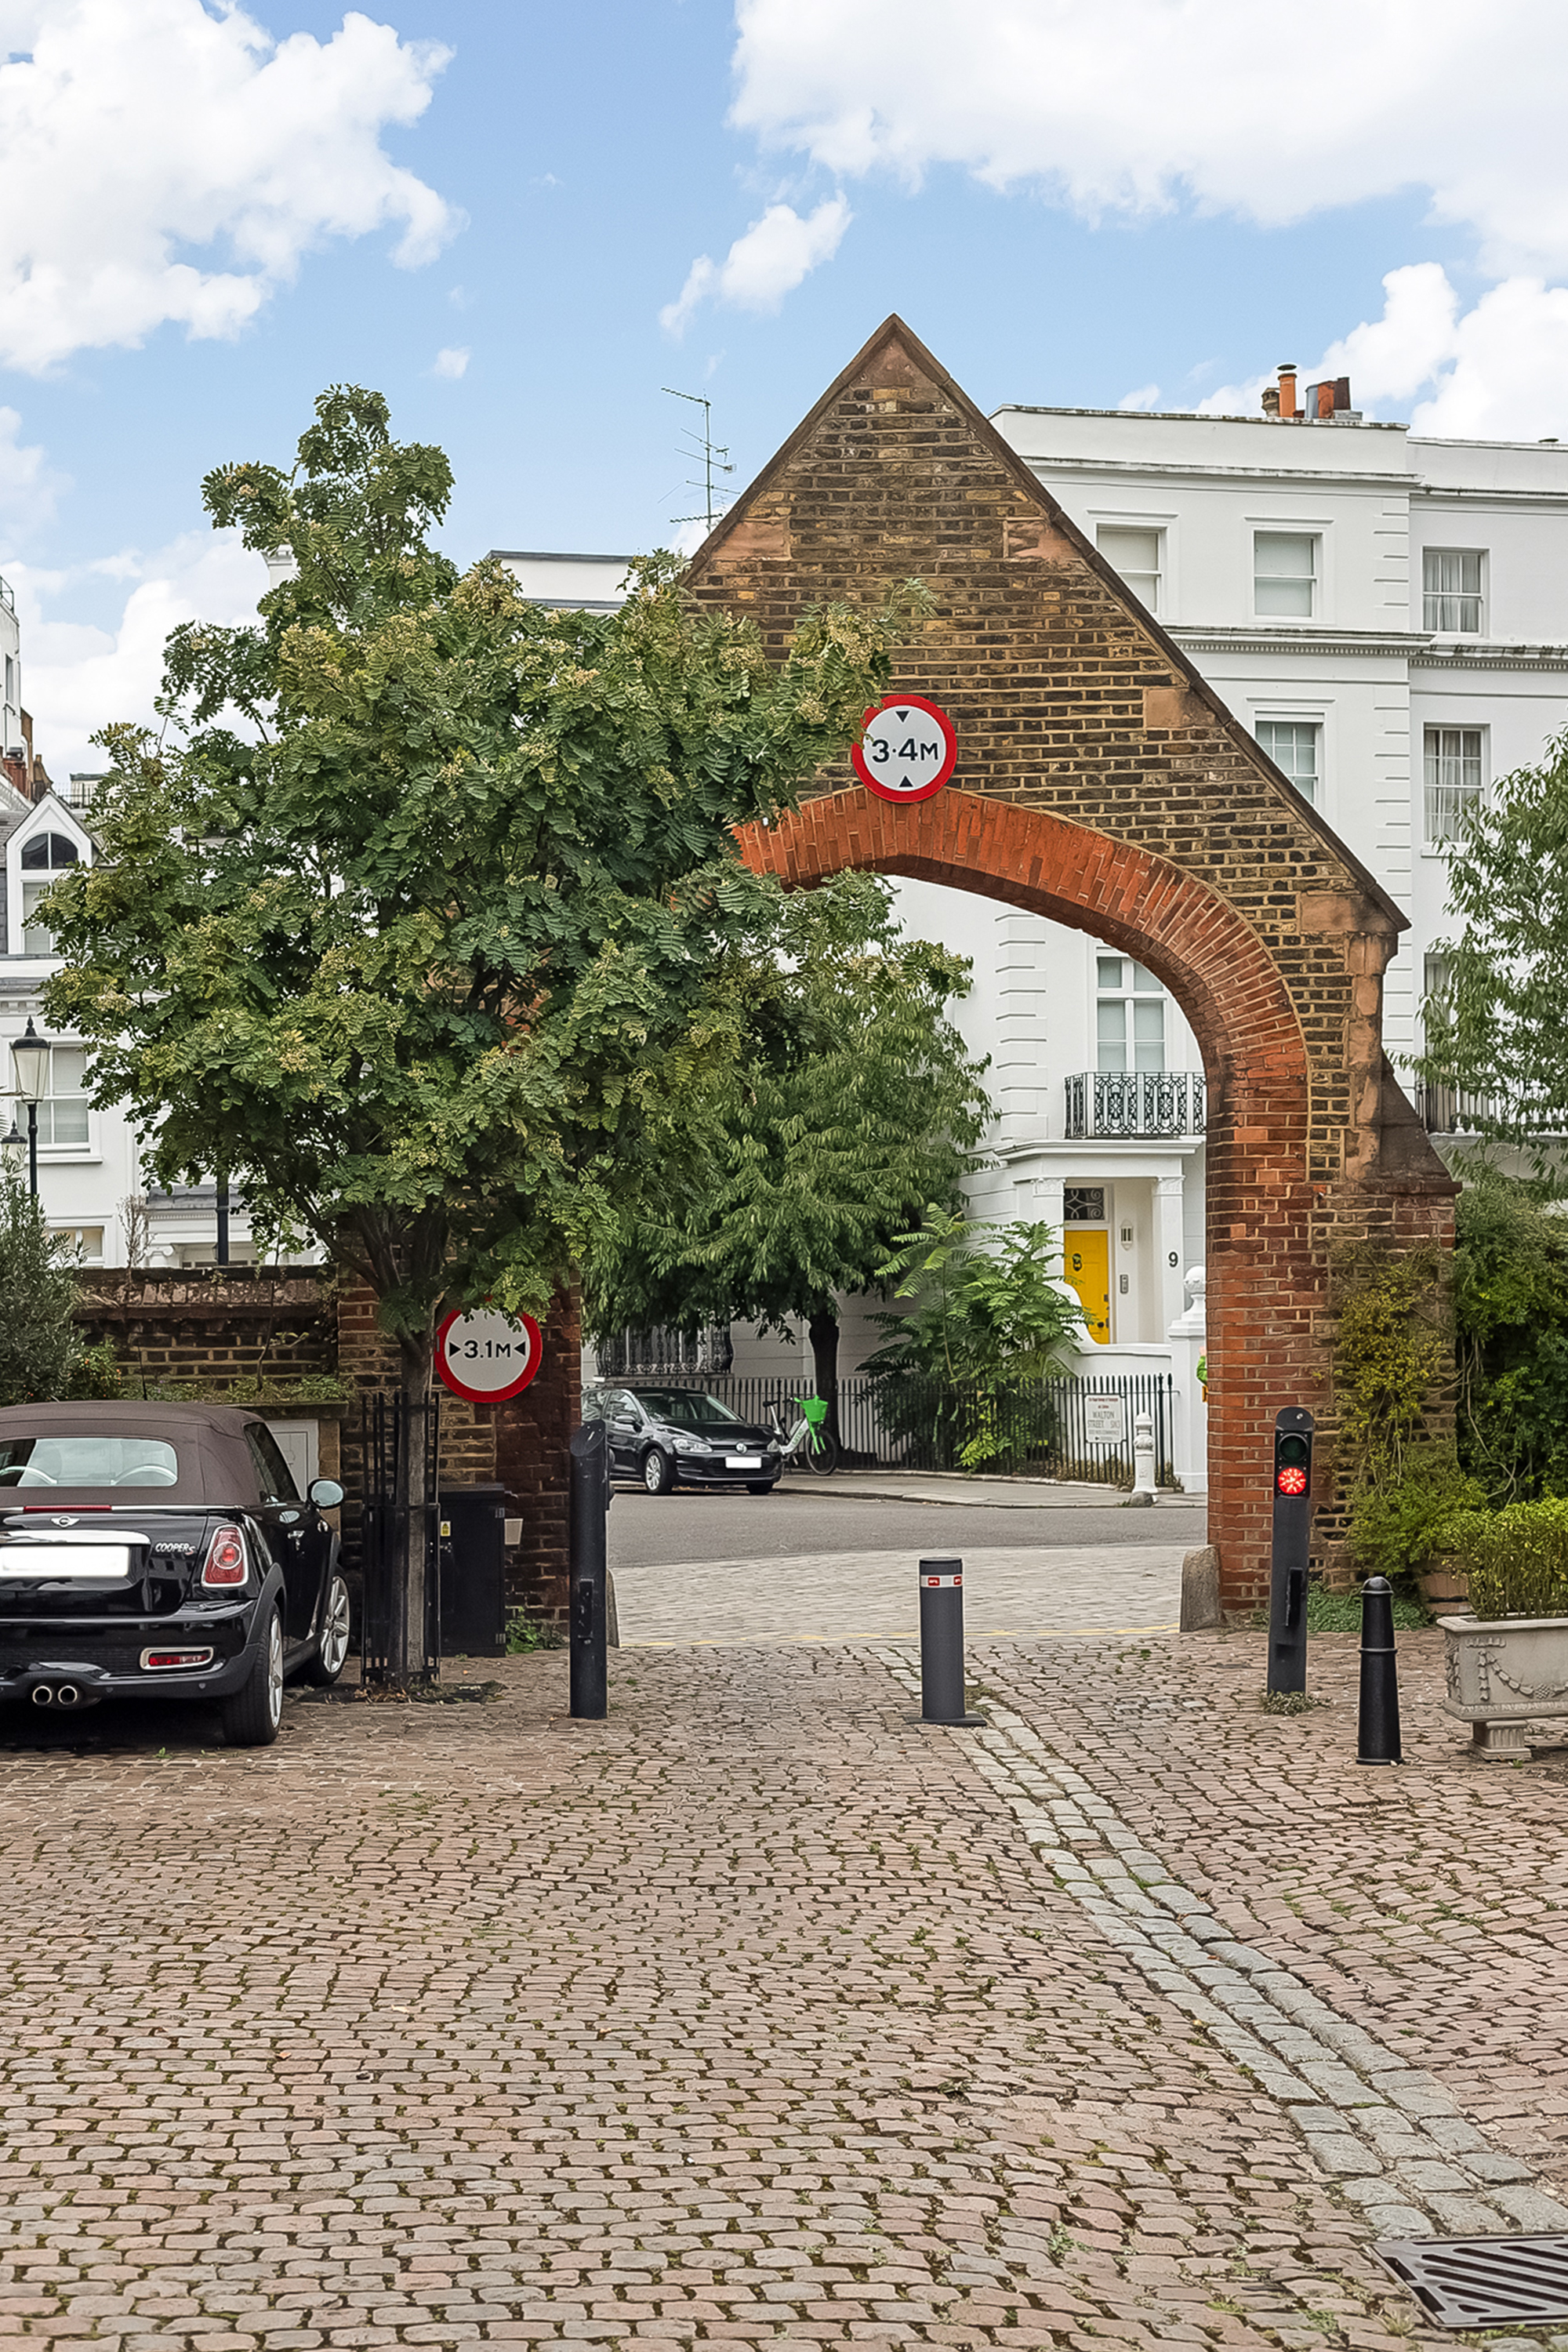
<point>823,1329</point>
<point>411,1518</point>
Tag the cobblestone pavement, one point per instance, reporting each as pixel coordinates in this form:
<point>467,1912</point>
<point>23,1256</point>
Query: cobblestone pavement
<point>758,2016</point>
<point>873,1595</point>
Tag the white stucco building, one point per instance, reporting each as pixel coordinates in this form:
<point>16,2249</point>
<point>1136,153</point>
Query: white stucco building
<point>1388,614</point>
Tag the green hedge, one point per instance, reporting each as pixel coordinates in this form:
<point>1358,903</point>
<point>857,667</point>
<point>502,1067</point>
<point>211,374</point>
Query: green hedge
<point>1517,1557</point>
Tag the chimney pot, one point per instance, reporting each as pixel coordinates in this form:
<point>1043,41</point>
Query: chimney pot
<point>1286,387</point>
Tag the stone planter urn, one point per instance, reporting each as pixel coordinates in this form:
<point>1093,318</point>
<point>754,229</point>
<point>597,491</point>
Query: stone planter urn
<point>1503,1673</point>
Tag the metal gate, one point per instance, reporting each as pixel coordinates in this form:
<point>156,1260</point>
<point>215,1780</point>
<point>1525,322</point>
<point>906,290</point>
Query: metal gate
<point>389,1428</point>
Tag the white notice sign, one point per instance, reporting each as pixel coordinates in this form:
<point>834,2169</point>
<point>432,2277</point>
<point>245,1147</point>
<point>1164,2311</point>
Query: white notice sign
<point>1105,1420</point>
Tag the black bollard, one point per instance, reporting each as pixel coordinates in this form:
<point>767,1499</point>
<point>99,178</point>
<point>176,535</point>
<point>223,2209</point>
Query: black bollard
<point>1378,1729</point>
<point>941,1642</point>
<point>588,1571</point>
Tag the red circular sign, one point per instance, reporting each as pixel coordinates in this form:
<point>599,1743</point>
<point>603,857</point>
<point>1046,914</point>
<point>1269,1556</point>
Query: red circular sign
<point>487,1356</point>
<point>909,752</point>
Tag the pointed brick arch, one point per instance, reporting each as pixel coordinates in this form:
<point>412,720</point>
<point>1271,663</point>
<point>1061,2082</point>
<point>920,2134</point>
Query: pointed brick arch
<point>1102,784</point>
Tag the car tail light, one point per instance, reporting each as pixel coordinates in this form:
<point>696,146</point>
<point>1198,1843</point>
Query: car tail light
<point>226,1558</point>
<point>153,1659</point>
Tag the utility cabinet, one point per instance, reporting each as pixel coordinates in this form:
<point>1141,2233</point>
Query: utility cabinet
<point>473,1571</point>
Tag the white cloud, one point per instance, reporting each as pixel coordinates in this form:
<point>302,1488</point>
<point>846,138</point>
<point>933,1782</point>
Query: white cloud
<point>1259,112</point>
<point>760,267</point>
<point>137,133</point>
<point>28,484</point>
<point>1146,396</point>
<point>1498,372</point>
<point>76,678</point>
<point>453,362</point>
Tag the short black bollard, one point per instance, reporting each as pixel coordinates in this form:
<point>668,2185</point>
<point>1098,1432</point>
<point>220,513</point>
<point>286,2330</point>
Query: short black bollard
<point>1378,1729</point>
<point>588,1571</point>
<point>941,1642</point>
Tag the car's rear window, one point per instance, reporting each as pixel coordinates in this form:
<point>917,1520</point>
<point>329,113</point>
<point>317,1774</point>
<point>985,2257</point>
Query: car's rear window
<point>88,1461</point>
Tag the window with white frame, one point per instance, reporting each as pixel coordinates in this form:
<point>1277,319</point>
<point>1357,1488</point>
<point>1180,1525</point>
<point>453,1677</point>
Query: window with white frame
<point>44,857</point>
<point>62,1112</point>
<point>1129,1015</point>
<point>1135,554</point>
<point>1285,574</point>
<point>1451,591</point>
<point>1455,780</point>
<point>87,1241</point>
<point>1293,745</point>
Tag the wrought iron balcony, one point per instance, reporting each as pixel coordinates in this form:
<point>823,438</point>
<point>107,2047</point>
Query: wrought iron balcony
<point>1134,1102</point>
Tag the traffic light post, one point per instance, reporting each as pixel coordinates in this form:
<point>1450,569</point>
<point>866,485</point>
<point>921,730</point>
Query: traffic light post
<point>1293,1431</point>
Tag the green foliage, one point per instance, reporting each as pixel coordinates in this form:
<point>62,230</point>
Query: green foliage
<point>98,1372</point>
<point>39,1343</point>
<point>1517,1557</point>
<point>39,1340</point>
<point>1511,1300</point>
<point>1389,1356</point>
<point>524,1634</point>
<point>856,1103</point>
<point>421,920</point>
<point>1398,1525</point>
<point>1495,1028</point>
<point>1340,1613</point>
<point>988,1314</point>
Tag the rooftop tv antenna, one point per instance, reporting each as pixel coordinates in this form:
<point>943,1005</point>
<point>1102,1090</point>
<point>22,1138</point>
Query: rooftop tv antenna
<point>714,456</point>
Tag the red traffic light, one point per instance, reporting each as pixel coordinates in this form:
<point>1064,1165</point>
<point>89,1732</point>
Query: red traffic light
<point>1291,1481</point>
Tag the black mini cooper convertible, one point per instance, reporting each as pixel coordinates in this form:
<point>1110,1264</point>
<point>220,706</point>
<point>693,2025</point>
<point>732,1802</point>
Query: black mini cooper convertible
<point>163,1550</point>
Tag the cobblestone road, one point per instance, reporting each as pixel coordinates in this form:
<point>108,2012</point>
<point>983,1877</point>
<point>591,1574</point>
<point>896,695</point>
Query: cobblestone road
<point>757,2016</point>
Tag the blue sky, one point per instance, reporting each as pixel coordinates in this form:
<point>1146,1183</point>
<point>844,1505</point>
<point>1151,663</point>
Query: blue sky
<point>1062,220</point>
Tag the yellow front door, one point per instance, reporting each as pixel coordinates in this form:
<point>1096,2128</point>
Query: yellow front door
<point>1089,1271</point>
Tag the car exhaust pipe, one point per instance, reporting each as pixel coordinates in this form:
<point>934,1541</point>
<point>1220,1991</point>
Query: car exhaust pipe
<point>67,1695</point>
<point>42,1695</point>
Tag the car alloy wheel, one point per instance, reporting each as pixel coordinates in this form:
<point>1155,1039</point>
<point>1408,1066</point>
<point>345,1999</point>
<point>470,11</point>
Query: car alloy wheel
<point>251,1717</point>
<point>337,1620</point>
<point>657,1472</point>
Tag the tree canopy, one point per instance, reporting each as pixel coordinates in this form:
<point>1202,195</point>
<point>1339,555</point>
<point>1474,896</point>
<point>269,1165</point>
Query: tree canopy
<point>423,921</point>
<point>857,1104</point>
<point>1494,1021</point>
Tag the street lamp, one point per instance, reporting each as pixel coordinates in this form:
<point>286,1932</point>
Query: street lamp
<point>31,1060</point>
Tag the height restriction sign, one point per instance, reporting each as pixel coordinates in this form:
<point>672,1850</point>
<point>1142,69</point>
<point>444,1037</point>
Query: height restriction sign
<point>909,750</point>
<point>487,1356</point>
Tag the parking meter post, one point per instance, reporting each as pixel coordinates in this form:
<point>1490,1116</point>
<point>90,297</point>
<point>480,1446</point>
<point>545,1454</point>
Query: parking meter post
<point>1377,1724</point>
<point>590,1503</point>
<point>1294,1430</point>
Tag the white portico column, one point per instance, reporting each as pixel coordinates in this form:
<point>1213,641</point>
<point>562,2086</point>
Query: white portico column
<point>1190,1437</point>
<point>1168,1243</point>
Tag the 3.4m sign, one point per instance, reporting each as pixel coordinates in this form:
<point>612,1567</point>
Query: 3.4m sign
<point>909,750</point>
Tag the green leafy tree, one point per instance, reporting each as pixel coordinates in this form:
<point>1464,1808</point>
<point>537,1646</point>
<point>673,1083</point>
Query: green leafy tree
<point>1510,1312</point>
<point>988,1316</point>
<point>420,925</point>
<point>40,1345</point>
<point>858,1103</point>
<point>1494,1027</point>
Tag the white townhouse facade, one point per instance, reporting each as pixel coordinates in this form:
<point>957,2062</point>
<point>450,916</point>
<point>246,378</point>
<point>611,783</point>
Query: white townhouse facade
<point>1388,614</point>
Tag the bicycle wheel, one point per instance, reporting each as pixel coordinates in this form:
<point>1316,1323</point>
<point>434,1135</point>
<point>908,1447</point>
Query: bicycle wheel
<point>822,1453</point>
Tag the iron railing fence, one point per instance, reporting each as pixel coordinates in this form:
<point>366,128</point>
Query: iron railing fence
<point>1134,1102</point>
<point>388,1429</point>
<point>1074,1427</point>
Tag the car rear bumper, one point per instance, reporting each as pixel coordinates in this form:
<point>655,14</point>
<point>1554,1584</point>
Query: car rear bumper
<point>99,1661</point>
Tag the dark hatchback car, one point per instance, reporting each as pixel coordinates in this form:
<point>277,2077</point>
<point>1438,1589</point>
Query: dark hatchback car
<point>679,1437</point>
<point>162,1550</point>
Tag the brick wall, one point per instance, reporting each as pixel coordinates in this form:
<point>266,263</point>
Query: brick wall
<point>214,1325</point>
<point>1101,782</point>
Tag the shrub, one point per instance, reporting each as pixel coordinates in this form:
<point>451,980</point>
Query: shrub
<point>39,1342</point>
<point>1394,1528</point>
<point>1517,1557</point>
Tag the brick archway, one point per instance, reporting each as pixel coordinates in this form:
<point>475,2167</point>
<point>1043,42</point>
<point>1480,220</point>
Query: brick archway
<point>1102,784</point>
<point>1265,1275</point>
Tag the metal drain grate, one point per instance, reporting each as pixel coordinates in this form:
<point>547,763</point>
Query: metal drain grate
<point>1483,2282</point>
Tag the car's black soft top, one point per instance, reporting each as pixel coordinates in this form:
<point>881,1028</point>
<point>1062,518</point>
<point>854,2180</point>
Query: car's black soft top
<point>214,1461</point>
